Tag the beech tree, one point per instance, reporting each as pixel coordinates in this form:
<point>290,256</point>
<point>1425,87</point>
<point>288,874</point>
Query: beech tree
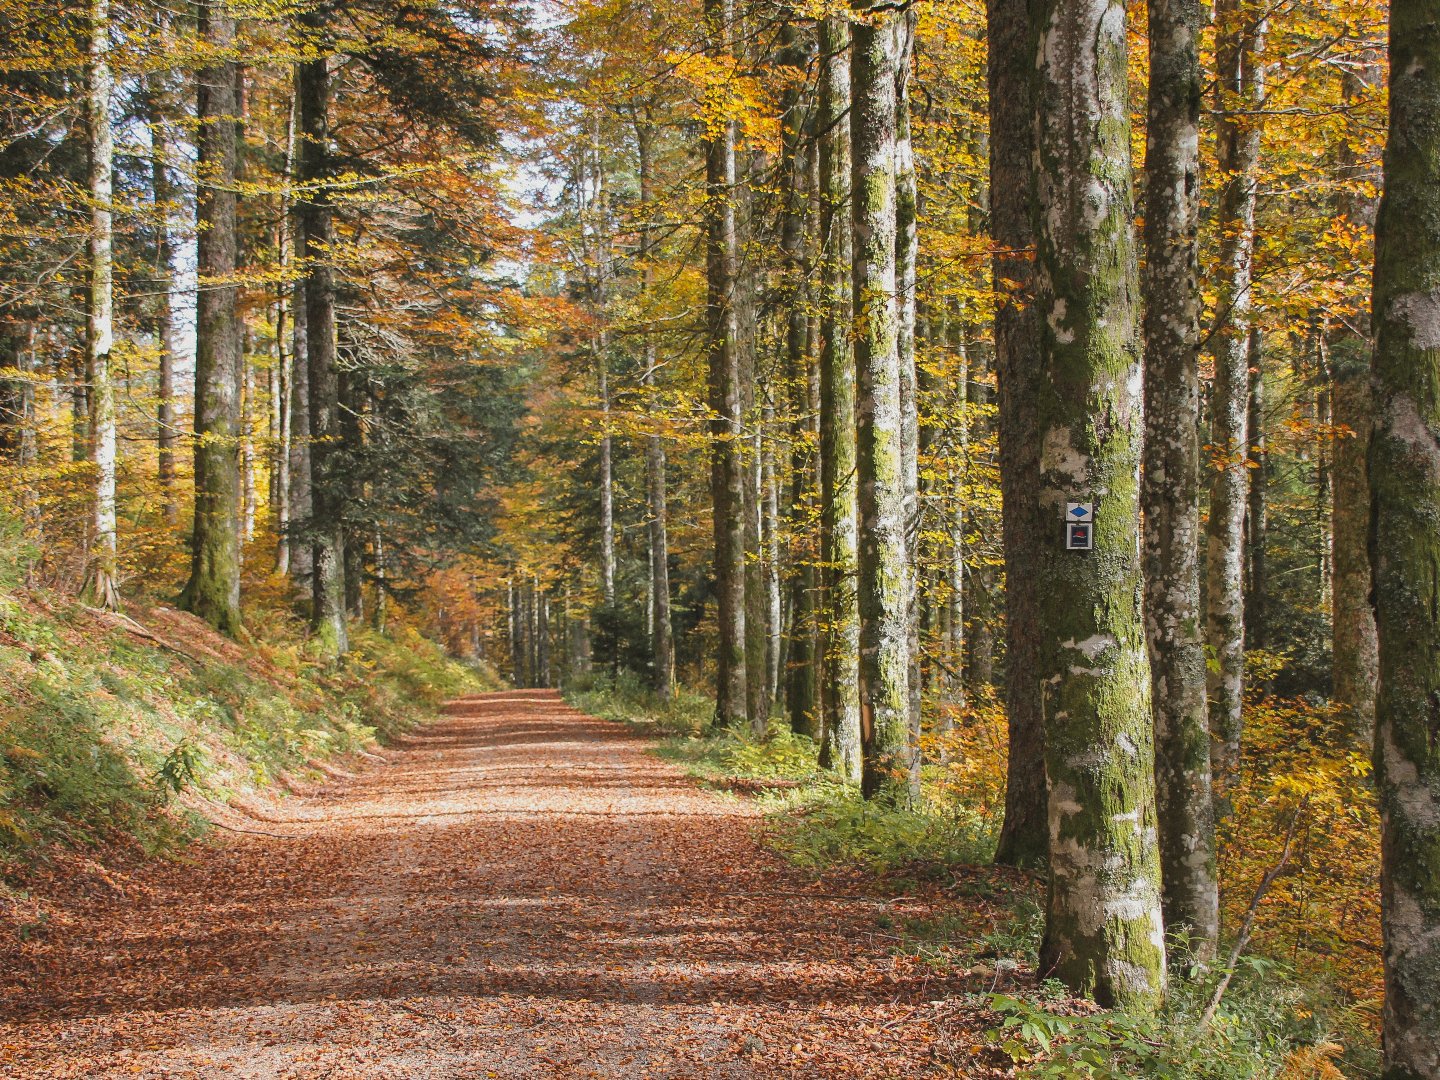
<point>1239,90</point>
<point>1404,474</point>
<point>840,641</point>
<point>213,591</point>
<point>727,469</point>
<point>885,574</point>
<point>102,586</point>
<point>1012,41</point>
<point>1171,483</point>
<point>1104,935</point>
<point>315,201</point>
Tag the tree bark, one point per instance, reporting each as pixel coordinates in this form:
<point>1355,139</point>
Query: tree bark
<point>1404,474</point>
<point>840,640</point>
<point>101,584</point>
<point>1011,34</point>
<point>662,640</point>
<point>907,256</point>
<point>1355,663</point>
<point>1104,936</point>
<point>302,563</point>
<point>1257,586</point>
<point>1170,490</point>
<point>727,470</point>
<point>213,591</point>
<point>163,194</point>
<point>885,574</point>
<point>317,237</point>
<point>1239,92</point>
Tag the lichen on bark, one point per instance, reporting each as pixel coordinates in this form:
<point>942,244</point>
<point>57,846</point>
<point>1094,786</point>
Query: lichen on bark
<point>1404,475</point>
<point>1104,935</point>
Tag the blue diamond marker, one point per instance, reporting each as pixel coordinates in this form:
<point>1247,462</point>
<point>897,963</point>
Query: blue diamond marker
<point>1078,512</point>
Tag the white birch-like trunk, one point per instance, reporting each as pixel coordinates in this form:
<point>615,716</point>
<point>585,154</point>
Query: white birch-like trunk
<point>102,586</point>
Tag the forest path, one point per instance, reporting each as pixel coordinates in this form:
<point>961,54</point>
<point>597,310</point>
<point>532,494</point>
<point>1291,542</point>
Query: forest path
<point>518,891</point>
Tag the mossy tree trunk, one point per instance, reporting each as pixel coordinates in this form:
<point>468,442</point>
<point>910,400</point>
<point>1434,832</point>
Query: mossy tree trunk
<point>327,485</point>
<point>840,638</point>
<point>727,464</point>
<point>884,579</point>
<point>1171,485</point>
<point>213,591</point>
<point>1011,36</point>
<point>1239,89</point>
<point>1104,936</point>
<point>1404,474</point>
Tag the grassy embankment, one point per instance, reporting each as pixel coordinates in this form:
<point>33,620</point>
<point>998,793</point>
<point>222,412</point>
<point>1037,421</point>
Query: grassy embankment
<point>122,736</point>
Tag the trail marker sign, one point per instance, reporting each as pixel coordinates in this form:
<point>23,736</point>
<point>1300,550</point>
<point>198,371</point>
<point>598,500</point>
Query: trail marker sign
<point>1079,526</point>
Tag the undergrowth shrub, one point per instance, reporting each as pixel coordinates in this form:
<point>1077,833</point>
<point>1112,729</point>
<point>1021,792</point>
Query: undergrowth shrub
<point>625,697</point>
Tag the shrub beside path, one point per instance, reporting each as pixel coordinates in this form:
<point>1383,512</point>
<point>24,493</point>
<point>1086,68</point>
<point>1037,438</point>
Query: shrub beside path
<point>519,890</point>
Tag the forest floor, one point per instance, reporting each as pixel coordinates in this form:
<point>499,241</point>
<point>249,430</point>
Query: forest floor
<point>516,890</point>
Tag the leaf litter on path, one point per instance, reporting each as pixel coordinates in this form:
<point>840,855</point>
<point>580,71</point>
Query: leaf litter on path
<point>519,891</point>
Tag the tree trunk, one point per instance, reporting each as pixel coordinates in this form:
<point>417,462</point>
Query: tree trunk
<point>885,573</point>
<point>317,237</point>
<point>213,591</point>
<point>101,584</point>
<point>662,640</point>
<point>301,563</point>
<point>727,470</point>
<point>1170,490</point>
<point>1239,91</point>
<point>1404,474</point>
<point>1104,936</point>
<point>1353,647</point>
<point>1011,69</point>
<point>907,255</point>
<point>840,641</point>
<point>800,669</point>
<point>163,193</point>
<point>1256,510</point>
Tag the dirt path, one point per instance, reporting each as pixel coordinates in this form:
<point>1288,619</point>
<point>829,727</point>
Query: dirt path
<point>520,891</point>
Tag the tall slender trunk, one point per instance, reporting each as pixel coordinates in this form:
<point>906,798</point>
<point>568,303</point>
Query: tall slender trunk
<point>1104,935</point>
<point>213,591</point>
<point>1404,474</point>
<point>101,585</point>
<point>727,469</point>
<point>1353,646</point>
<point>800,667</point>
<point>297,540</point>
<point>163,194</point>
<point>907,255</point>
<point>1257,586</point>
<point>282,391</point>
<point>317,238</point>
<point>517,648</point>
<point>1240,89</point>
<point>885,573</point>
<point>839,523</point>
<point>28,451</point>
<point>249,492</point>
<point>607,481</point>
<point>662,640</point>
<point>770,553</point>
<point>1012,37</point>
<point>1170,491</point>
